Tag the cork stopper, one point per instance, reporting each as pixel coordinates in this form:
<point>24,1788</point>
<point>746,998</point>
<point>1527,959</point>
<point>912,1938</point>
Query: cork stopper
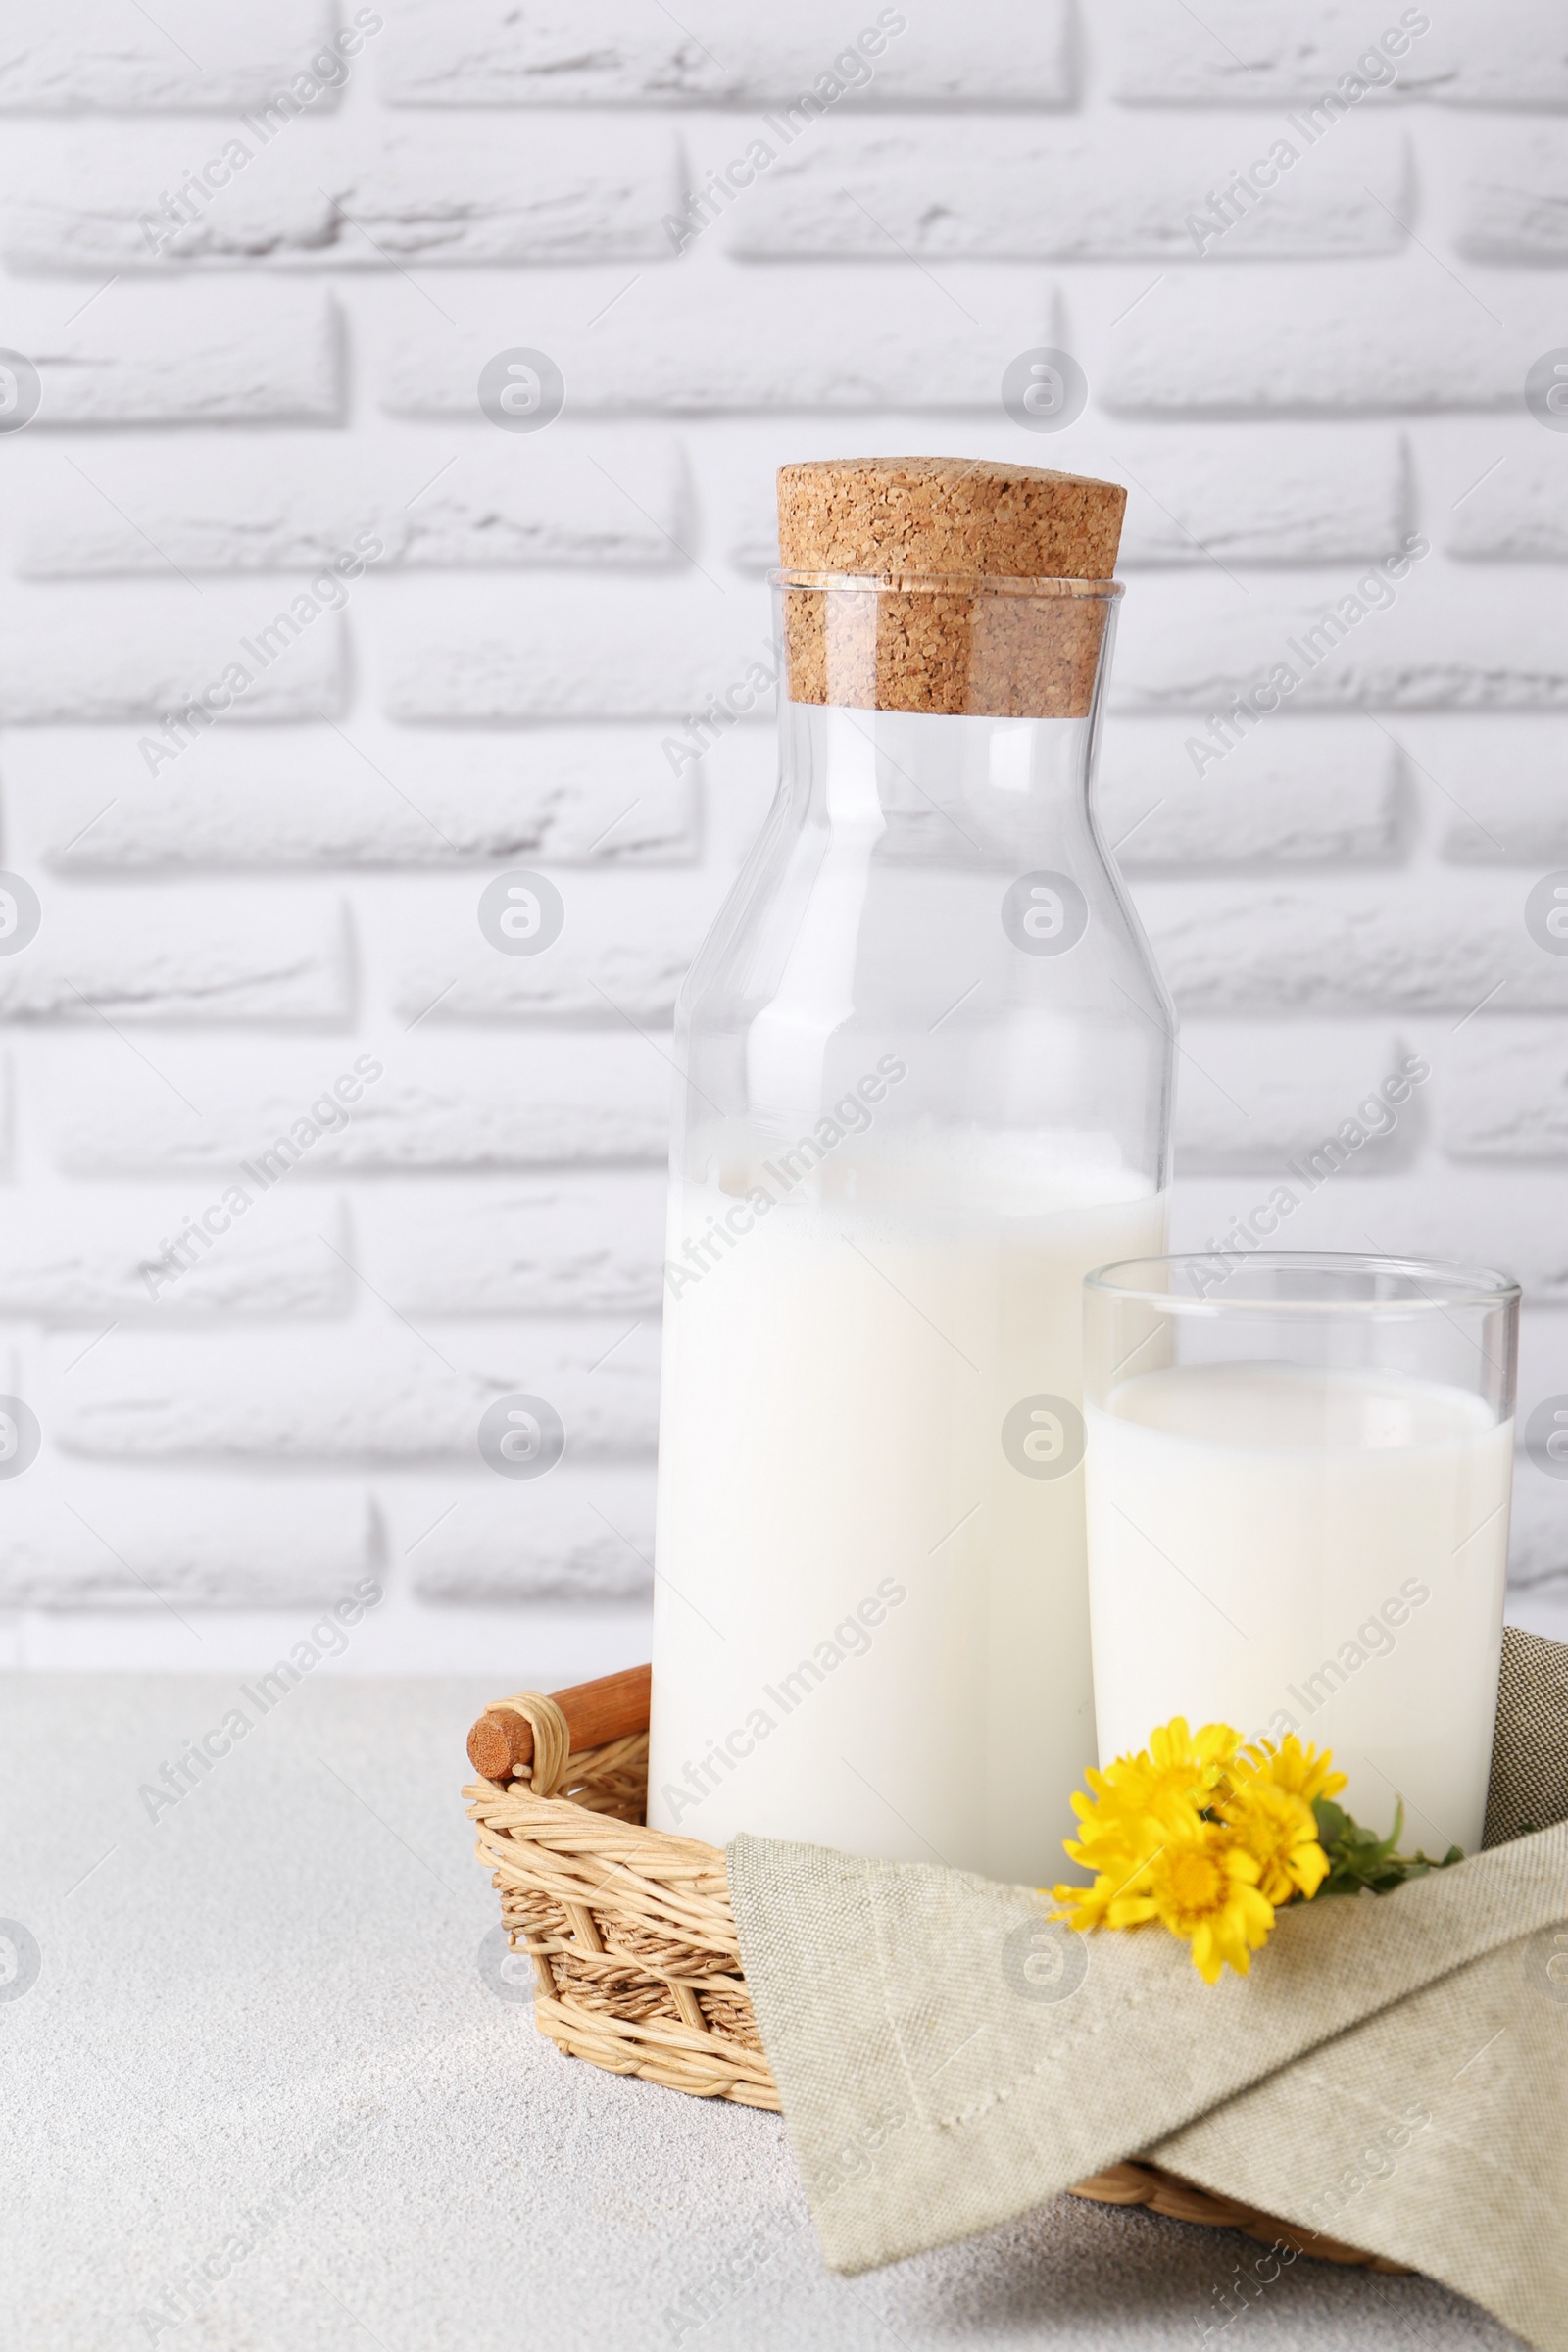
<point>947,515</point>
<point>955,606</point>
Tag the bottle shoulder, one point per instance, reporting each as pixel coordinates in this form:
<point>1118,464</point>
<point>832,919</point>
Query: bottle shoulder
<point>899,929</point>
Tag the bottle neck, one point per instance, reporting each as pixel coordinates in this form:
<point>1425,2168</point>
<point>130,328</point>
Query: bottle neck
<point>956,791</point>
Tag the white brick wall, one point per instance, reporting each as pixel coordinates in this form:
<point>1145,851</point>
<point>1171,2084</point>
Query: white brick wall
<point>1468,52</point>
<point>118,353</point>
<point>447,193</point>
<point>484,52</point>
<point>96,53</point>
<point>203,506</point>
<point>238,387</point>
<point>1033,191</point>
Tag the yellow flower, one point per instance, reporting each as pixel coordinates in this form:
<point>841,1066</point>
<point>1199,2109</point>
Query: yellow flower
<point>1176,1763</point>
<point>1205,1834</point>
<point>1279,1830</point>
<point>1085,1908</point>
<point>1118,1852</point>
<point>1203,1886</point>
<point>1120,1826</point>
<point>1307,1772</point>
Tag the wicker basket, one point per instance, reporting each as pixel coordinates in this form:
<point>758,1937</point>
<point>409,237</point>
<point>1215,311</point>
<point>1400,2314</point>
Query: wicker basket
<point>637,1962</point>
<point>631,1934</point>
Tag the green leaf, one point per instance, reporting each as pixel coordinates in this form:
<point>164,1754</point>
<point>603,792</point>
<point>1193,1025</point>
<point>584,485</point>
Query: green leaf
<point>1331,1821</point>
<point>1359,1859</point>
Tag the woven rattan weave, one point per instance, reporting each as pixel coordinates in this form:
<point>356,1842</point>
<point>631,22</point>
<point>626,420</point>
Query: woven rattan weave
<point>631,1933</point>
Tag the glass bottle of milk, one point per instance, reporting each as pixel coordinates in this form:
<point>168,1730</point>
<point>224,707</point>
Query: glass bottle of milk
<point>926,1071</point>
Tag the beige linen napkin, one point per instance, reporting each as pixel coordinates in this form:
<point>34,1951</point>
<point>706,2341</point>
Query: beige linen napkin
<point>1395,2071</point>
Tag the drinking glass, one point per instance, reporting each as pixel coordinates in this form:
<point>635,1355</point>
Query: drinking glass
<point>1298,1476</point>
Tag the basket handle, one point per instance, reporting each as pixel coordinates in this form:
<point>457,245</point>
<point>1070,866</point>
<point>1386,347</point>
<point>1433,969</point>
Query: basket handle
<point>615,1707</point>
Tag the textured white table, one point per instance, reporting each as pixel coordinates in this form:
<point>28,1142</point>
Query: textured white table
<point>260,2043</point>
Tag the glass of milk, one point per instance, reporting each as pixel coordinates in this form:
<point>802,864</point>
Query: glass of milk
<point>1297,1480</point>
<point>925,1065</point>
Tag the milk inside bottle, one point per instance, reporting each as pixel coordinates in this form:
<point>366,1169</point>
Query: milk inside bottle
<point>925,1087</point>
